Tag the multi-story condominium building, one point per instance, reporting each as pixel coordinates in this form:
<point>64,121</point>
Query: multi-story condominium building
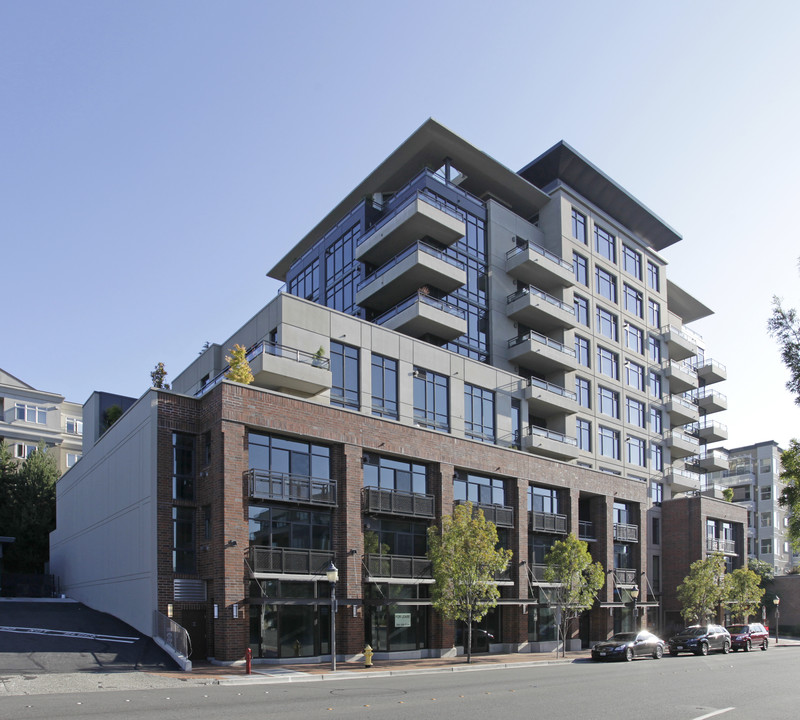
<point>29,416</point>
<point>754,474</point>
<point>452,331</point>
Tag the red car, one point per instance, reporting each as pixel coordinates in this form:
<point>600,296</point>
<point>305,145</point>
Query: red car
<point>745,637</point>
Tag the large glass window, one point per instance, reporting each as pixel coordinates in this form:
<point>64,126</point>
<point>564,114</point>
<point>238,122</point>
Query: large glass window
<point>633,300</point>
<point>545,500</point>
<point>182,466</point>
<point>655,384</point>
<point>31,413</point>
<point>431,408</point>
<point>479,413</point>
<point>654,349</point>
<point>399,475</point>
<point>344,375</point>
<point>285,527</point>
<point>605,244</point>
<point>632,262</point>
<point>653,313</point>
<point>286,456</point>
<point>607,401</point>
<point>608,440</point>
<point>183,531</point>
<point>608,362</point>
<point>479,489</point>
<point>582,390</point>
<point>339,255</point>
<point>584,434</point>
<point>656,421</point>
<point>384,386</point>
<point>634,375</point>
<point>634,338</point>
<point>607,323</point>
<point>656,457</point>
<point>306,283</point>
<point>636,451</point>
<point>578,226</point>
<point>634,412</point>
<point>581,310</point>
<point>516,424</point>
<point>605,284</point>
<point>580,267</point>
<point>74,426</point>
<point>653,280</point>
<point>582,350</point>
<point>341,294</point>
<point>396,537</point>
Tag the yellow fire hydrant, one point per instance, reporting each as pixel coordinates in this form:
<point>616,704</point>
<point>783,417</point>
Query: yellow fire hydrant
<point>368,656</point>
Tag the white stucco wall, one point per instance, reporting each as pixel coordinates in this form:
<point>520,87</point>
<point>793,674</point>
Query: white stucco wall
<point>103,549</point>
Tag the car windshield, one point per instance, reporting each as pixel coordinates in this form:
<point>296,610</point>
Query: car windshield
<point>694,631</point>
<point>738,628</point>
<point>623,637</point>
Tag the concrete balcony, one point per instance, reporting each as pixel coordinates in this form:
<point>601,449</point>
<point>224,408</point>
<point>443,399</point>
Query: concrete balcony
<point>682,378</point>
<point>535,308</point>
<point>710,371</point>
<point>422,315</point>
<point>711,401</point>
<point>534,265</point>
<point>540,353</point>
<point>419,216</point>
<point>682,445</point>
<point>277,367</point>
<point>548,443</point>
<point>418,266</point>
<point>547,399</point>
<point>710,432</point>
<point>712,460</point>
<point>681,480</point>
<point>679,343</point>
<point>682,411</point>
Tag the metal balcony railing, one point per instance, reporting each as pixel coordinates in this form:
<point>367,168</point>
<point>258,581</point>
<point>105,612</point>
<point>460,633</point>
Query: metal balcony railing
<point>548,522</point>
<point>398,566</point>
<point>552,387</point>
<point>422,298</point>
<point>171,634</point>
<point>552,435</point>
<point>410,250</point>
<point>377,500</point>
<point>625,576</point>
<point>528,245</point>
<point>626,533</point>
<point>715,544</point>
<point>531,290</point>
<point>500,515</point>
<point>543,339</point>
<point>288,560</point>
<point>269,485</point>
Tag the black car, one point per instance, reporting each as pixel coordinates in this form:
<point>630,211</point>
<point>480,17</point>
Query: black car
<point>628,645</point>
<point>700,639</point>
<point>745,637</point>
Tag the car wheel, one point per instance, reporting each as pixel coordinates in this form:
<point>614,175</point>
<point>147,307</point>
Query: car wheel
<point>658,653</point>
<point>765,644</point>
<point>629,654</point>
<point>726,647</point>
<point>747,646</point>
<point>703,649</point>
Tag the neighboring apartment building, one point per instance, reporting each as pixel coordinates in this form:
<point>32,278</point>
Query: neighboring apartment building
<point>29,416</point>
<point>451,331</point>
<point>754,475</point>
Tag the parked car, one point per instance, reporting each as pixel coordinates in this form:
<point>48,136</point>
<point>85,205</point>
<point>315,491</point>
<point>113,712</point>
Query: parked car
<point>744,637</point>
<point>628,645</point>
<point>700,639</point>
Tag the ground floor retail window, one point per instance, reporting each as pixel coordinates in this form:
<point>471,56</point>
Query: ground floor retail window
<point>541,618</point>
<point>391,623</point>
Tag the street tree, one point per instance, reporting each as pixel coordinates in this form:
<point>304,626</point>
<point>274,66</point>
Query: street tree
<point>765,571</point>
<point>239,369</point>
<point>569,565</point>
<point>790,495</point>
<point>743,592</point>
<point>158,375</point>
<point>784,326</point>
<point>29,511</point>
<point>465,561</point>
<point>703,589</point>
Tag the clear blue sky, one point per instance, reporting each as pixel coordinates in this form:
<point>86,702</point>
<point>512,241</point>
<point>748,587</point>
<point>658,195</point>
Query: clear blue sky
<point>157,157</point>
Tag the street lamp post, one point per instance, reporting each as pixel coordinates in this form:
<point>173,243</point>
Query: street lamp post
<point>777,602</point>
<point>333,577</point>
<point>635,596</point>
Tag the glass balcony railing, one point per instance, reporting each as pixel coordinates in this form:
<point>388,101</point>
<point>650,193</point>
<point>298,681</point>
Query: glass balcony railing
<point>528,245</point>
<point>532,336</point>
<point>551,387</point>
<point>552,435</point>
<point>410,250</point>
<point>531,290</point>
<point>422,298</point>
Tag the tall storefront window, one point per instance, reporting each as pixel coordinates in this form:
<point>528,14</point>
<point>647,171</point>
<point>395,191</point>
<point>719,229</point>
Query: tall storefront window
<point>391,624</point>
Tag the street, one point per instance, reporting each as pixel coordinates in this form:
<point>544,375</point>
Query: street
<point>741,685</point>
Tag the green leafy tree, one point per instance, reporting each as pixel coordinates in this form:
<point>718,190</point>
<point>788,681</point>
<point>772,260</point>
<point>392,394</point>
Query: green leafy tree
<point>158,375</point>
<point>111,415</point>
<point>790,495</point>
<point>29,510</point>
<point>703,589</point>
<point>743,593</point>
<point>765,571</point>
<point>784,326</point>
<point>568,563</point>
<point>239,371</point>
<point>465,560</point>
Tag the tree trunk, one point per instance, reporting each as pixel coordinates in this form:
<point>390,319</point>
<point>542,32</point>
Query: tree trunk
<point>469,638</point>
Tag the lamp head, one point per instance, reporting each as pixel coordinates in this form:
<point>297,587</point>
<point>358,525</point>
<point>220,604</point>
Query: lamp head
<point>331,572</point>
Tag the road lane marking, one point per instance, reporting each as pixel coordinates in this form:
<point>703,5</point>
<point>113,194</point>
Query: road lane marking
<point>712,714</point>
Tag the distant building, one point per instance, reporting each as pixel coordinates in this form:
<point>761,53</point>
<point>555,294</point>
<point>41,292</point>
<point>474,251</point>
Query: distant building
<point>451,331</point>
<point>29,416</point>
<point>754,475</point>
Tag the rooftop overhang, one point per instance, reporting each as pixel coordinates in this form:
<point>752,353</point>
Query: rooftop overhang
<point>563,163</point>
<point>428,147</point>
<point>686,307</point>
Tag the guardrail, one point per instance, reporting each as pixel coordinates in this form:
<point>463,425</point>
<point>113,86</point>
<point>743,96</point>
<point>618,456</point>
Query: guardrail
<point>174,637</point>
<point>271,485</point>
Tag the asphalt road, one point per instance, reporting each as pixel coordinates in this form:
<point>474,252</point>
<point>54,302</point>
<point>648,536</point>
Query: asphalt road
<point>734,687</point>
